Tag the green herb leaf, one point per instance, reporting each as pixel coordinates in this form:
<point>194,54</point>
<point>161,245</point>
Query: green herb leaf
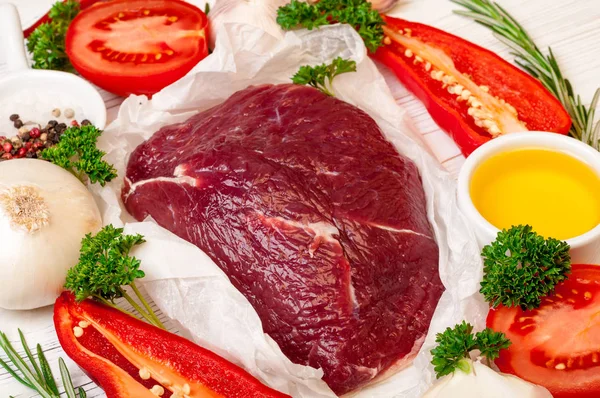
<point>455,344</point>
<point>47,42</point>
<point>105,265</point>
<point>47,372</point>
<point>521,267</point>
<point>356,13</point>
<point>77,152</point>
<point>543,67</point>
<point>40,378</point>
<point>105,268</point>
<point>489,343</point>
<point>321,76</point>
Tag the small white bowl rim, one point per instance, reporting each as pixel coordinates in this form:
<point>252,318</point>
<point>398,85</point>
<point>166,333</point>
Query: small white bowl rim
<point>531,139</point>
<point>91,98</point>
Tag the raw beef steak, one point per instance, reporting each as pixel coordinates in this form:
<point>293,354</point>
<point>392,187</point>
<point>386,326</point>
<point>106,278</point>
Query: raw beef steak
<point>314,217</point>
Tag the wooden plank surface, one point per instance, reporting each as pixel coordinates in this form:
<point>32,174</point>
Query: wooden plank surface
<point>571,27</point>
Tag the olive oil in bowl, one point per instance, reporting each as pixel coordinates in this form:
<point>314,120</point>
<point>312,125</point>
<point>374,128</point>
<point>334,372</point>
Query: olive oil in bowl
<point>555,193</point>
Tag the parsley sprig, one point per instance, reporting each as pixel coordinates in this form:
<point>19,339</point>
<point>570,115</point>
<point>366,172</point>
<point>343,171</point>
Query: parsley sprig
<point>521,267</point>
<point>356,13</point>
<point>47,42</point>
<point>105,268</point>
<point>321,76</point>
<point>36,375</point>
<point>455,344</point>
<point>77,152</point>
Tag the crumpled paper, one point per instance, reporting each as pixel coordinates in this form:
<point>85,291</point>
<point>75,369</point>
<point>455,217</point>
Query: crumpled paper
<point>191,289</point>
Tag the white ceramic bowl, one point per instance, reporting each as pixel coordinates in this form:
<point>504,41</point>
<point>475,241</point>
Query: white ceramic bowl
<point>584,248</point>
<point>18,76</point>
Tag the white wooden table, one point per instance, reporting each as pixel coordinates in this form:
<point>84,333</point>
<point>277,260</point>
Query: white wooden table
<point>571,27</point>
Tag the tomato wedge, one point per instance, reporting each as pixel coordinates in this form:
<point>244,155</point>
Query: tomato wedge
<point>137,46</point>
<point>558,344</point>
<point>470,92</point>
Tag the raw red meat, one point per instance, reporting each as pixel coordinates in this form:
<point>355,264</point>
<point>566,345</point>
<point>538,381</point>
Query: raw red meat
<point>314,217</point>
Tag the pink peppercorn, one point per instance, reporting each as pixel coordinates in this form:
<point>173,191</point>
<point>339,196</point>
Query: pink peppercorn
<point>7,146</point>
<point>35,133</point>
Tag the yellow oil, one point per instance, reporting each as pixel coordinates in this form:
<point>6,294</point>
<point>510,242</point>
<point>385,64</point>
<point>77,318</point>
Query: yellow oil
<point>558,195</point>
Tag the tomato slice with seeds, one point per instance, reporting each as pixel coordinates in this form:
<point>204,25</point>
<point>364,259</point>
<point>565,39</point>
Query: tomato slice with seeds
<point>558,344</point>
<point>137,46</point>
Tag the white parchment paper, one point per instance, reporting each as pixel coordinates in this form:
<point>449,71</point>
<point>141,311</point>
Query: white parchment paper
<point>190,288</point>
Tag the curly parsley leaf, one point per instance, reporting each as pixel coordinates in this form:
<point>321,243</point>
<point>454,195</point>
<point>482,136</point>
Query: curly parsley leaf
<point>521,267</point>
<point>321,76</point>
<point>105,268</point>
<point>77,152</point>
<point>47,42</point>
<point>356,13</point>
<point>455,344</point>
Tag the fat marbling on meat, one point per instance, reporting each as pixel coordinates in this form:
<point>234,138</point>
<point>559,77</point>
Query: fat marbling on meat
<point>313,215</point>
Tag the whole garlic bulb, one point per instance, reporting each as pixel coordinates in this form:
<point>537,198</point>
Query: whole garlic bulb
<point>45,211</point>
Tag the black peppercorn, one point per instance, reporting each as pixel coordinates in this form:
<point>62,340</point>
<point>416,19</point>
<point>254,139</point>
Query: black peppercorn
<point>25,136</point>
<point>60,127</point>
<point>14,117</point>
<point>85,122</point>
<point>18,124</point>
<point>52,123</point>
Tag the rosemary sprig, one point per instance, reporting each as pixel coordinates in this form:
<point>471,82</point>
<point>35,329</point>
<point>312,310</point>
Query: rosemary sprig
<point>542,66</point>
<point>36,375</point>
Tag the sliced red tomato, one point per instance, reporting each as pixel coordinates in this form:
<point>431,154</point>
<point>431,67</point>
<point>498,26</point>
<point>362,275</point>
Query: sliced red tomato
<point>558,344</point>
<point>137,46</point>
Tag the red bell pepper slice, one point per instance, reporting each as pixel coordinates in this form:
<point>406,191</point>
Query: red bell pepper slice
<point>128,357</point>
<point>505,96</point>
<point>83,4</point>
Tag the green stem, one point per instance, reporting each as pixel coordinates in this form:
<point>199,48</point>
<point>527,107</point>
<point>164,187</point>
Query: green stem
<point>465,365</point>
<point>110,304</point>
<point>139,309</point>
<point>147,306</point>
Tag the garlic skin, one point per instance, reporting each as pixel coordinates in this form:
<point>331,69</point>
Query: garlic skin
<point>45,211</point>
<point>383,5</point>
<point>259,13</point>
<point>482,381</point>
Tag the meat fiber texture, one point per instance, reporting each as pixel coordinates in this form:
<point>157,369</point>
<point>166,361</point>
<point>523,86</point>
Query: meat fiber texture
<point>312,214</point>
<point>190,288</point>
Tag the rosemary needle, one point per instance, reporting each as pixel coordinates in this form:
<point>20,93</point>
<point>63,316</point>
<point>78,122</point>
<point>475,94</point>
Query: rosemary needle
<point>36,375</point>
<point>542,66</point>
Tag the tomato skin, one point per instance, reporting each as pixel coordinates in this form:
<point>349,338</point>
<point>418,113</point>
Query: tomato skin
<point>557,345</point>
<point>139,78</point>
<point>535,105</point>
